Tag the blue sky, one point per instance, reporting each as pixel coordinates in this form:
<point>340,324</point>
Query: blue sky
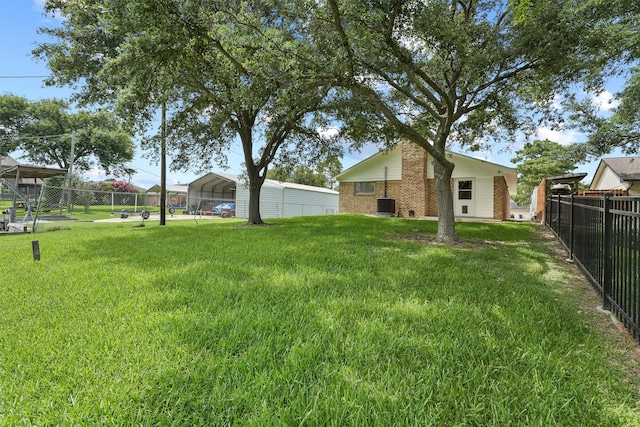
<point>20,74</point>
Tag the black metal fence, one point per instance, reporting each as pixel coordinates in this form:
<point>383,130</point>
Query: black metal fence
<point>602,235</point>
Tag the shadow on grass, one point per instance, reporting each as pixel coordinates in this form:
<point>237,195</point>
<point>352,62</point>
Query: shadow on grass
<point>326,321</point>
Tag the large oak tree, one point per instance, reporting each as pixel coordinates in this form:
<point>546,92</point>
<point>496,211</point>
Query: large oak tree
<point>224,69</point>
<point>463,71</point>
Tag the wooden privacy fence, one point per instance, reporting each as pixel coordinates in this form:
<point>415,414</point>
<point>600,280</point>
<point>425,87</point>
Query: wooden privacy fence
<point>602,235</point>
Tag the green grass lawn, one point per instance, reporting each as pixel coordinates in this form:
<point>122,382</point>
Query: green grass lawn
<point>336,320</point>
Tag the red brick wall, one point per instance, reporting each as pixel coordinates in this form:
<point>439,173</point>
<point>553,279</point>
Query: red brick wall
<point>432,201</point>
<point>501,198</point>
<point>413,192</point>
<point>350,202</point>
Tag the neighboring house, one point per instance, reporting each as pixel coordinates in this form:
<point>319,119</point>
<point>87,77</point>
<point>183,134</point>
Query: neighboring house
<point>404,174</point>
<point>618,173</point>
<point>519,212</point>
<point>176,195</point>
<point>277,199</point>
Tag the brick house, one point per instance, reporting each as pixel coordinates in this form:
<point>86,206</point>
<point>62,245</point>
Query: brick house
<point>405,174</point>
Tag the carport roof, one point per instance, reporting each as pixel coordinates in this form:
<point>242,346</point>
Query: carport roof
<point>213,179</point>
<point>170,189</point>
<point>26,171</point>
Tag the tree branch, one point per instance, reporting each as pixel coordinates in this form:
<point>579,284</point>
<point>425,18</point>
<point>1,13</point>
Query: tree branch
<point>335,11</point>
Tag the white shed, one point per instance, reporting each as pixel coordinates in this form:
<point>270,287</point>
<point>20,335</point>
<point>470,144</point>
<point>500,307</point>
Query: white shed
<point>277,199</point>
<point>283,199</point>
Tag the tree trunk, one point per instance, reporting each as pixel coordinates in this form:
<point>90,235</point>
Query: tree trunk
<point>255,185</point>
<point>444,197</point>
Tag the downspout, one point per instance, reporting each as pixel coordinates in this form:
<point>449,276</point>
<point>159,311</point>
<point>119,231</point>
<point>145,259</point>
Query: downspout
<point>385,182</point>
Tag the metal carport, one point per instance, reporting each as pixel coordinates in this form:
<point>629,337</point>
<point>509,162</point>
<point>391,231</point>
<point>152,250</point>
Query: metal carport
<point>210,190</point>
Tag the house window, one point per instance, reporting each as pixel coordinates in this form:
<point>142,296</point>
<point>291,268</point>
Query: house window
<point>464,190</point>
<point>365,188</point>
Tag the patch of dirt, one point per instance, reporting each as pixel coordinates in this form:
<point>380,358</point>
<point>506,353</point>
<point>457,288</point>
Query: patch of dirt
<point>431,239</point>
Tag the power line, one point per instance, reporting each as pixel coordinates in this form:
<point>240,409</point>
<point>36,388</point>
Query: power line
<point>23,77</point>
<point>43,136</point>
<point>137,168</point>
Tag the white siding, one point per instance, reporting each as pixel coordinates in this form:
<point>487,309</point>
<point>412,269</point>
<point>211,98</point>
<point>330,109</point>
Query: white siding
<point>373,168</point>
<point>533,202</point>
<point>270,201</point>
<point>483,172</point>
<point>484,197</point>
<point>609,181</point>
<point>278,200</point>
<point>304,202</point>
<point>469,166</point>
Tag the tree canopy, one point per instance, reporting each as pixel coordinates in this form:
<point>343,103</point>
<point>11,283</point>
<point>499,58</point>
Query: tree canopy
<point>301,174</point>
<point>225,69</point>
<point>469,71</point>
<point>42,130</point>
<point>268,72</point>
<point>540,159</point>
<point>619,127</point>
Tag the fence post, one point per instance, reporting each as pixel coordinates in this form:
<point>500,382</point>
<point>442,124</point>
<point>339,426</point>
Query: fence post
<point>559,215</point>
<point>608,260</point>
<point>547,210</point>
<point>571,214</point>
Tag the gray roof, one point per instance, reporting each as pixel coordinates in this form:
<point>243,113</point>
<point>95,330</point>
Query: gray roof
<point>567,177</point>
<point>8,161</point>
<point>28,171</point>
<point>627,168</point>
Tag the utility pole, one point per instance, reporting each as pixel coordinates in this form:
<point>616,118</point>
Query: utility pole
<point>72,155</point>
<point>163,165</point>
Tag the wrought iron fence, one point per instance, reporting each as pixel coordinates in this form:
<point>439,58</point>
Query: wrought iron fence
<point>602,235</point>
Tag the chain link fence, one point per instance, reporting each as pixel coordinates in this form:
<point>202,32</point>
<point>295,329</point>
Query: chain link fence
<point>55,206</point>
<point>58,204</point>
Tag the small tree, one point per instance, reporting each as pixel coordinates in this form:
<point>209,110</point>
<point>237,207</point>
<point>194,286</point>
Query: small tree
<point>540,159</point>
<point>122,187</point>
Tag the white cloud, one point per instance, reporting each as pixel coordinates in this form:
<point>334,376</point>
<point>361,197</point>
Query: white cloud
<point>561,137</point>
<point>328,132</point>
<point>94,174</point>
<point>38,6</point>
<point>605,101</point>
